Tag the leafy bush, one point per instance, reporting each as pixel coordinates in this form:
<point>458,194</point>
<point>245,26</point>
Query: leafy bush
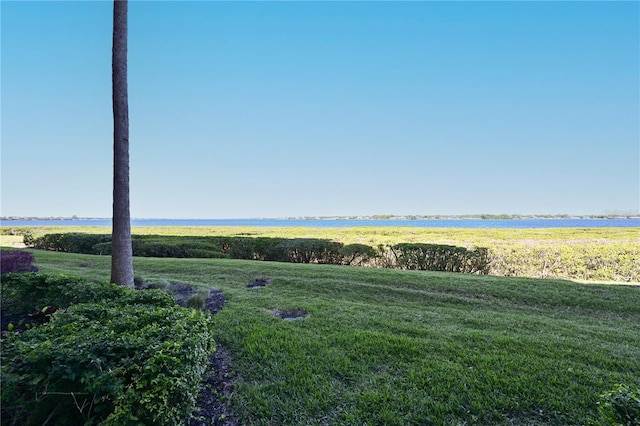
<point>21,293</point>
<point>69,243</point>
<point>134,358</point>
<point>435,257</point>
<point>620,407</point>
<point>308,250</point>
<point>16,261</point>
<point>357,254</point>
<point>175,247</point>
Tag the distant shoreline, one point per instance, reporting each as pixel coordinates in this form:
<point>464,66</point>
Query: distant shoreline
<point>351,222</point>
<point>354,218</point>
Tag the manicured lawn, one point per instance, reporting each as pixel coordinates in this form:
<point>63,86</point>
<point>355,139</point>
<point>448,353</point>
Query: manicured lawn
<point>404,347</point>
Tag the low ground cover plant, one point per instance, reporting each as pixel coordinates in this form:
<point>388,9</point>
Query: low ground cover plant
<point>620,406</point>
<point>109,355</point>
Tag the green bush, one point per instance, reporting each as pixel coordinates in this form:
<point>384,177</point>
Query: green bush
<point>308,250</point>
<point>357,254</point>
<point>21,293</point>
<point>620,407</point>
<point>69,243</point>
<point>133,358</point>
<point>436,257</point>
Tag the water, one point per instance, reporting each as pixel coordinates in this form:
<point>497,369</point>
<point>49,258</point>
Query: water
<point>343,223</point>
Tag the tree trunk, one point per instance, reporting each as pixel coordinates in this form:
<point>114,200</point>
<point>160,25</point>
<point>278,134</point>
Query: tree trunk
<point>121,252</point>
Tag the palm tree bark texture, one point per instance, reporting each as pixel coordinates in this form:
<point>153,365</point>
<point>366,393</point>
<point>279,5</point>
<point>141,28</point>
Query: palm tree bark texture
<point>122,255</point>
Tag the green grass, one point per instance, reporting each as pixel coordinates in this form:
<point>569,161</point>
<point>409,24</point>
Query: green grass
<point>403,347</point>
<point>381,234</point>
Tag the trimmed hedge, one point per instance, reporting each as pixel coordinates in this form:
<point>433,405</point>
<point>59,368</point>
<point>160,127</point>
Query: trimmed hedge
<point>614,261</point>
<point>299,250</point>
<point>446,258</point>
<point>127,357</point>
<point>69,243</point>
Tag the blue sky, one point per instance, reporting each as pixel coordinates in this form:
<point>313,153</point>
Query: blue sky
<point>271,109</point>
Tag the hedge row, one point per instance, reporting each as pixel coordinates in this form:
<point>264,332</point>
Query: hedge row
<point>299,250</point>
<point>113,356</point>
<point>612,261</point>
<point>446,258</point>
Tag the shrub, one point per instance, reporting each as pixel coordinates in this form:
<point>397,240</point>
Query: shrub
<point>27,238</point>
<point>135,358</point>
<point>119,364</point>
<point>69,243</point>
<point>357,254</point>
<point>16,261</point>
<point>436,257</point>
<point>308,250</point>
<point>620,407</point>
<point>197,253</point>
<point>21,293</point>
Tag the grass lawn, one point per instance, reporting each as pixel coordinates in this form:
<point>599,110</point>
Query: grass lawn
<point>404,347</point>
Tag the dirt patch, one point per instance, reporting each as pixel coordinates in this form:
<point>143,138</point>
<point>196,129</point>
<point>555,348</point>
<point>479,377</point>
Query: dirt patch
<point>217,385</point>
<point>291,315</point>
<point>181,292</point>
<point>259,282</point>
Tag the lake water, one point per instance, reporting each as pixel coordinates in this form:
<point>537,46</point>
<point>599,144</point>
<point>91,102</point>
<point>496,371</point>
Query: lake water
<point>343,223</point>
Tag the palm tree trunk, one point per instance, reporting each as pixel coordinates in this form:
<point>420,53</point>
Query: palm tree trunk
<point>121,251</point>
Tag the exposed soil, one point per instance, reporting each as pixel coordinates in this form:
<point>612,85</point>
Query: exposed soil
<point>182,292</point>
<point>291,315</point>
<point>259,282</point>
<point>217,385</point>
